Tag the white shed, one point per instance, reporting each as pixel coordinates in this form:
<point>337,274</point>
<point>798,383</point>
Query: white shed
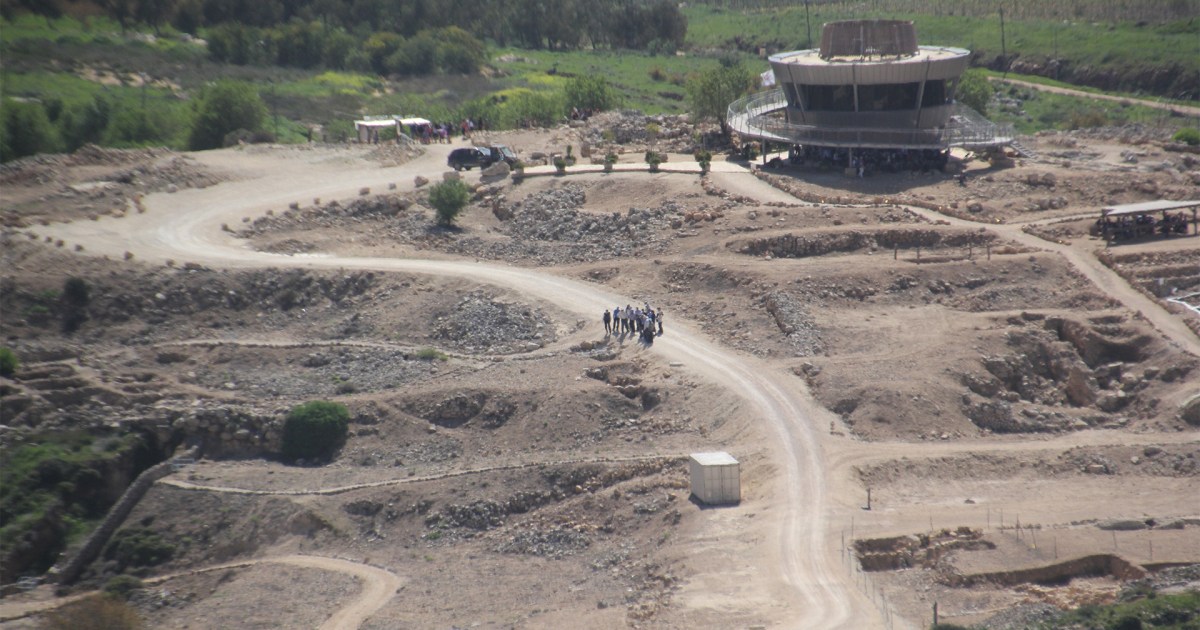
<point>716,478</point>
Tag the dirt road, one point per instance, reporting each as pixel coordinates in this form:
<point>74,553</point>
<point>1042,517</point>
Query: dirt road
<point>378,587</point>
<point>798,571</point>
<point>1182,110</point>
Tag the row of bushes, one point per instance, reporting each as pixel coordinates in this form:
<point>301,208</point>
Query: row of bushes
<point>228,109</point>
<point>312,45</point>
<point>561,24</point>
<point>28,127</point>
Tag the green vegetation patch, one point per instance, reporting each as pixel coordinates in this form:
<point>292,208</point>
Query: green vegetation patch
<point>1180,611</point>
<point>974,26</point>
<point>58,484</point>
<point>315,430</point>
<point>1031,110</point>
<point>137,548</point>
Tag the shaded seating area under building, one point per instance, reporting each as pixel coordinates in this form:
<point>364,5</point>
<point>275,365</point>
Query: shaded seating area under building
<point>1163,218</point>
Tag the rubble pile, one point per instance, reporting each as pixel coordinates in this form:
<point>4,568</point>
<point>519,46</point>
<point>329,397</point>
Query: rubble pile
<point>1064,375</point>
<point>552,227</point>
<point>794,322</point>
<point>552,542</point>
<point>636,131</point>
<point>480,323</point>
<point>806,245</point>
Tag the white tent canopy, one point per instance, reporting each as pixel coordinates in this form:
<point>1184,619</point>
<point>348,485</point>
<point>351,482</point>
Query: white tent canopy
<point>373,124</point>
<point>1147,206</point>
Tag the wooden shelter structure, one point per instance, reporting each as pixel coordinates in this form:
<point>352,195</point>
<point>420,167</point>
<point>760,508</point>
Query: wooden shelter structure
<point>1141,220</point>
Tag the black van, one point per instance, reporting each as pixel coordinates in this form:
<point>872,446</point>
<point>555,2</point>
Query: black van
<point>468,157</point>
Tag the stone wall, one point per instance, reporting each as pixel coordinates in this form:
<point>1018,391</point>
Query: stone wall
<point>69,569</point>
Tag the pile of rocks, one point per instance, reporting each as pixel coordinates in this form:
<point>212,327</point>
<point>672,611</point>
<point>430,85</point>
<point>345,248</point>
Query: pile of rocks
<point>817,244</point>
<point>552,542</point>
<point>635,130</point>
<point>481,323</point>
<point>325,372</point>
<point>794,322</point>
<point>551,227</point>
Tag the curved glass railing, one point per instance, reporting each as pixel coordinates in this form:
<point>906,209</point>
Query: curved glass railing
<point>755,116</point>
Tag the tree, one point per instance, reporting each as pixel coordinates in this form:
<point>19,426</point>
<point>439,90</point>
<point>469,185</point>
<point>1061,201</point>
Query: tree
<point>8,362</point>
<point>974,90</point>
<point>590,92</point>
<point>225,107</point>
<point>26,130</point>
<point>448,199</point>
<point>314,430</point>
<point>711,92</point>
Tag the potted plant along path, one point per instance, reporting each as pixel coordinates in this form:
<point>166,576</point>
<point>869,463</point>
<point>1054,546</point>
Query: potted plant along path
<point>610,158</point>
<point>704,159</point>
<point>560,166</point>
<point>653,158</point>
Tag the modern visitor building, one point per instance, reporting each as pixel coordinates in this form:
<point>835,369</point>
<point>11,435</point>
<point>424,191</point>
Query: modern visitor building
<point>869,85</point>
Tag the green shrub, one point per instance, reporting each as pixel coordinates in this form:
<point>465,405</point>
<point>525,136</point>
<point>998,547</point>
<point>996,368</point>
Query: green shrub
<point>975,91</point>
<point>590,92</point>
<point>226,107</point>
<point>122,586</point>
<point>448,200</point>
<point>1188,135</point>
<point>138,547</point>
<point>1128,622</point>
<point>25,129</point>
<point>314,430</point>
<point>8,362</point>
<point>653,159</point>
<point>431,354</point>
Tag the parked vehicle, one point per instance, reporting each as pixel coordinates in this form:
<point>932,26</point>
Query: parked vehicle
<point>483,157</point>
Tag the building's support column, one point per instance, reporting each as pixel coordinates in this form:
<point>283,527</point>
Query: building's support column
<point>921,91</point>
<point>854,84</point>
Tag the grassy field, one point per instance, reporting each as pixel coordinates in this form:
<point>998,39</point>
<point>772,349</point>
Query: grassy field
<point>1101,44</point>
<point>653,84</point>
<point>70,61</point>
<point>1043,110</point>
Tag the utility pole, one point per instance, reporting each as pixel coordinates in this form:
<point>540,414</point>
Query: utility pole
<point>808,23</point>
<point>1003,43</point>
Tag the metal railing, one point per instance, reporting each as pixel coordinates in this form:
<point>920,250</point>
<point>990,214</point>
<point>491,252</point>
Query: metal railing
<point>753,116</point>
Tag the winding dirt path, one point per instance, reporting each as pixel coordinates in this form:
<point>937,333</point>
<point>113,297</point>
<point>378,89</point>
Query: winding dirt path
<point>1183,110</point>
<point>800,569</point>
<point>378,587</point>
<point>803,575</point>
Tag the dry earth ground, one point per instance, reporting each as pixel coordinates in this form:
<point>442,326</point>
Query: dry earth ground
<point>534,478</point>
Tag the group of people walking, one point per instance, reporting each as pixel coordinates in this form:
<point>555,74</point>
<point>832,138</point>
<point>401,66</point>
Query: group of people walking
<point>646,322</point>
<point>439,133</point>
